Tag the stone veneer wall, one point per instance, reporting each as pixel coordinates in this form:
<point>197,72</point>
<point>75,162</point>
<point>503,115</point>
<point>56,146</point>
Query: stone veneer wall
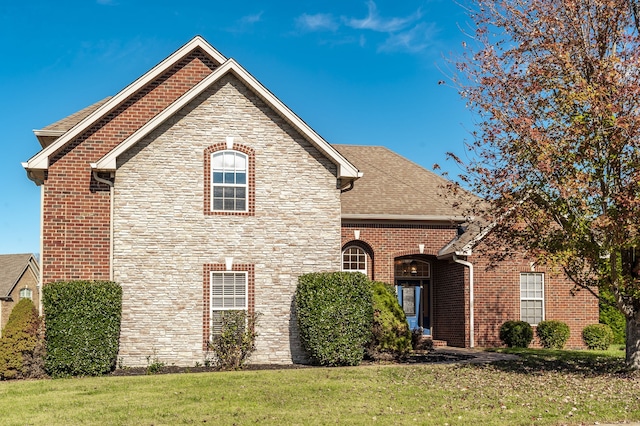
<point>162,237</point>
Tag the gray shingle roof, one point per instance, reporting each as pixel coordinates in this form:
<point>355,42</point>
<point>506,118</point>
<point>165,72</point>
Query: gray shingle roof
<point>12,266</point>
<point>395,186</point>
<point>69,121</point>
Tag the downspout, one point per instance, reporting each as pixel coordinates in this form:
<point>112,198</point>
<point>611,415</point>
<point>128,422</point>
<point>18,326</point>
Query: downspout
<point>110,184</point>
<point>471,316</point>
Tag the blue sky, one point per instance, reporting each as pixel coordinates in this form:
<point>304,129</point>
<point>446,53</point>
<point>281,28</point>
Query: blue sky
<point>357,71</point>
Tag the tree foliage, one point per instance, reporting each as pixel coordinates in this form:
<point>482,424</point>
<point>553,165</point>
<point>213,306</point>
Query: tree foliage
<point>390,332</point>
<point>556,87</point>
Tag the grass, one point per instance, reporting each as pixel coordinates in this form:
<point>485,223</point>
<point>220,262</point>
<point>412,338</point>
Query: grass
<point>541,388</point>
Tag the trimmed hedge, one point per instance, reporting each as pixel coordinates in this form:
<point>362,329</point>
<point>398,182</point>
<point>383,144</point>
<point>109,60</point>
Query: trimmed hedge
<point>391,334</point>
<point>553,334</point>
<point>82,327</point>
<point>516,334</point>
<point>597,336</point>
<point>335,313</point>
<point>21,343</point>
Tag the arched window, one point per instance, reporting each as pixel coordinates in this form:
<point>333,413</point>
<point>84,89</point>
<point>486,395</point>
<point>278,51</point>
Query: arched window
<point>354,259</point>
<point>229,181</point>
<point>26,293</point>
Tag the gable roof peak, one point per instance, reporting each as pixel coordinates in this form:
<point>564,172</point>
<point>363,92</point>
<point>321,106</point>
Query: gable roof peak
<point>40,161</point>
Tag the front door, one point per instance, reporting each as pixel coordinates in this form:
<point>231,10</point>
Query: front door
<point>414,298</point>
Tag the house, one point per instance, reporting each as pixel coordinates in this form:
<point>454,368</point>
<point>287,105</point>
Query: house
<point>19,279</point>
<point>198,191</point>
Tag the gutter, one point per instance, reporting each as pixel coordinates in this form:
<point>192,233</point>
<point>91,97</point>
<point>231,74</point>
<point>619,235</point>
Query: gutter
<point>110,184</point>
<point>471,316</point>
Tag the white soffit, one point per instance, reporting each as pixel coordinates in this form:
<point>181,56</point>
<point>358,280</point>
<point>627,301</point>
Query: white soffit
<point>41,160</point>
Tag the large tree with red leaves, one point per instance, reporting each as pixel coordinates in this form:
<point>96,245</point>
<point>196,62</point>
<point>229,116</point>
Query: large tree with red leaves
<point>556,85</point>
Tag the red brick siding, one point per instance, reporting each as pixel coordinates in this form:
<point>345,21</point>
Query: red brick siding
<point>496,289</point>
<point>76,211</point>
<point>391,241</point>
<point>450,303</point>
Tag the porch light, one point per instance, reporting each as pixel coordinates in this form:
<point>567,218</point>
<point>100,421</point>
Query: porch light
<point>413,267</point>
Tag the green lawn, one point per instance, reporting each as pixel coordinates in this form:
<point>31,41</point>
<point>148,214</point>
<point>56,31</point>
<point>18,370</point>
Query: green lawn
<point>542,388</point>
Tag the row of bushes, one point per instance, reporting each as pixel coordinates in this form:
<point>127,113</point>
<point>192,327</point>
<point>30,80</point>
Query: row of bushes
<point>554,335</point>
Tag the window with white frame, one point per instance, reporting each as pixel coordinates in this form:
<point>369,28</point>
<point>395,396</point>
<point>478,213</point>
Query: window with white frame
<point>26,293</point>
<point>532,297</point>
<point>229,181</point>
<point>229,291</point>
<point>354,259</point>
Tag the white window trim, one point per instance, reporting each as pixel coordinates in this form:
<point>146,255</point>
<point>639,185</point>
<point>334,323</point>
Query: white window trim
<point>30,297</point>
<point>532,298</point>
<point>227,185</point>
<point>234,308</point>
<point>364,271</point>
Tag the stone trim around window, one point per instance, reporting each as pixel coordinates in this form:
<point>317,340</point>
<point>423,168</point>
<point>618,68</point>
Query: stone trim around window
<point>249,269</point>
<point>251,180</point>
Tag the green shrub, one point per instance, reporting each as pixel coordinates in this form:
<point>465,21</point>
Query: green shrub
<point>391,335</point>
<point>597,336</point>
<point>611,315</point>
<point>236,341</point>
<point>82,327</point>
<point>335,315</point>
<point>516,334</point>
<point>21,346</point>
<point>553,334</point>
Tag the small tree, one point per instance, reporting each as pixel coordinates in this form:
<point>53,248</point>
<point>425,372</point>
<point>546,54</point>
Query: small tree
<point>335,314</point>
<point>235,343</point>
<point>21,344</point>
<point>556,85</point>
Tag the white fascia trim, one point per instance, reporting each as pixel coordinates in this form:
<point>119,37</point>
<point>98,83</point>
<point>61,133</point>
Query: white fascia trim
<point>41,159</point>
<point>48,132</point>
<point>406,217</point>
<point>345,168</point>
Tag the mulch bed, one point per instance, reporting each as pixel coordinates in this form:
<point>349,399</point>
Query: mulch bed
<point>416,358</point>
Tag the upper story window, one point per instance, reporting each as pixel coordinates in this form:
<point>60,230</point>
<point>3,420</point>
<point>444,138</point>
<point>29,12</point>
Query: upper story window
<point>354,259</point>
<point>532,297</point>
<point>26,293</point>
<point>229,181</point>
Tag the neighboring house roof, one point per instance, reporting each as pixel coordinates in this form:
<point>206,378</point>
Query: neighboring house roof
<point>40,162</point>
<point>395,188</point>
<point>50,133</point>
<point>12,267</point>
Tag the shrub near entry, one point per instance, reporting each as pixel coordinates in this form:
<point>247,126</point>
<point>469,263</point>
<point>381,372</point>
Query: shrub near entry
<point>82,320</point>
<point>335,313</point>
<point>391,334</point>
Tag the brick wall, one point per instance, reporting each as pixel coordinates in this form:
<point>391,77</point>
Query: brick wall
<point>163,236</point>
<point>496,287</point>
<point>76,208</point>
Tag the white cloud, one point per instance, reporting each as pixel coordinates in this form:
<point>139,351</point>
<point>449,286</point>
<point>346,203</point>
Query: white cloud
<point>252,19</point>
<point>317,22</point>
<point>413,40</point>
<point>374,22</point>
